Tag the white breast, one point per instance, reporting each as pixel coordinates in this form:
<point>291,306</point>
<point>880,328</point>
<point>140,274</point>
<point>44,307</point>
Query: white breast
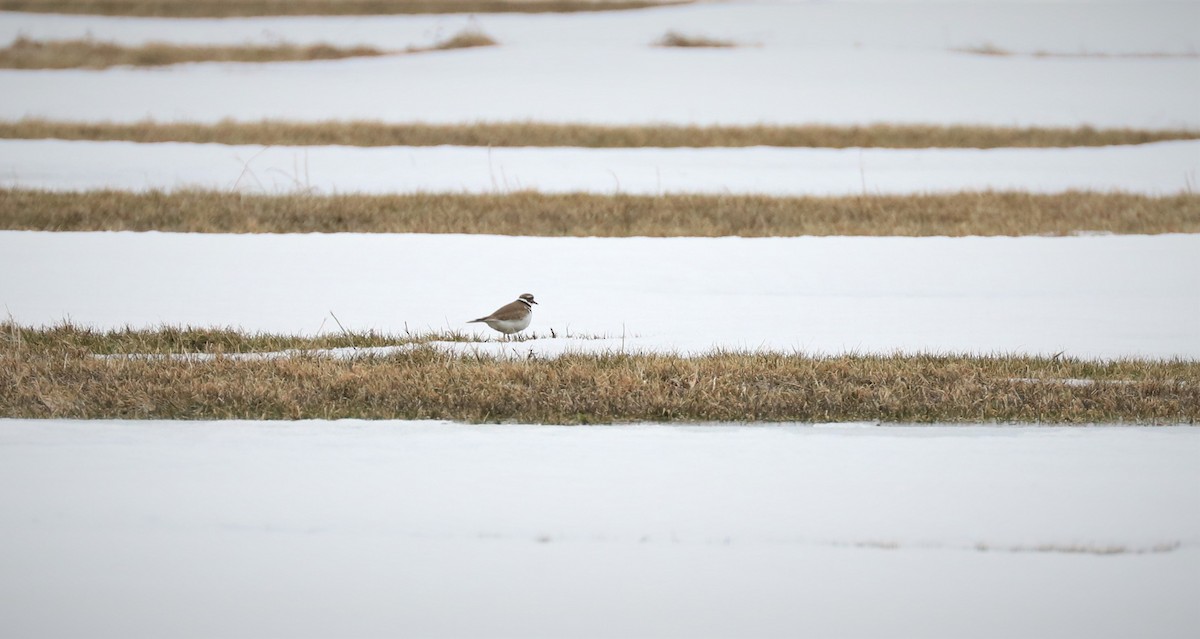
<point>509,327</point>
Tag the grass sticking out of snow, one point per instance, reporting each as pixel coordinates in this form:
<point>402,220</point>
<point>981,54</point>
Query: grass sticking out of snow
<point>987,48</point>
<point>539,214</point>
<point>1135,55</point>
<point>243,8</point>
<point>464,39</point>
<point>25,53</point>
<point>991,49</point>
<point>676,39</point>
<point>173,340</point>
<point>91,54</point>
<point>54,373</point>
<point>517,134</point>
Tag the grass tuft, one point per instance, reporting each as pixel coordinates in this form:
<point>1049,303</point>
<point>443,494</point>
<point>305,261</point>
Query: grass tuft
<point>586,215</point>
<point>54,373</point>
<point>676,39</point>
<point>465,40</point>
<point>987,48</point>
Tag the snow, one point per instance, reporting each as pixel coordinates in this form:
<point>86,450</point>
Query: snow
<point>1096,296</point>
<point>1159,168</point>
<point>352,528</point>
<point>842,63</point>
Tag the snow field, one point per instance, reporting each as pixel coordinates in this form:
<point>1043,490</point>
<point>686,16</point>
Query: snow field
<point>1156,169</point>
<point>152,529</point>
<point>835,63</point>
<point>1096,296</point>
<point>1023,26</point>
<point>436,529</point>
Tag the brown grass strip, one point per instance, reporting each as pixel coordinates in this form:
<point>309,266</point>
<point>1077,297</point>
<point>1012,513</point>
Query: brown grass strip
<point>48,374</point>
<point>246,8</point>
<point>555,215</point>
<point>176,340</point>
<point>91,54</point>
<point>518,134</point>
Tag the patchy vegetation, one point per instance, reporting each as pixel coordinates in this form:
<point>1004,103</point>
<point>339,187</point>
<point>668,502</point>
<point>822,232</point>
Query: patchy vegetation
<point>91,54</point>
<point>54,373</point>
<point>586,215</point>
<point>177,340</point>
<point>991,49</point>
<point>174,340</point>
<point>1136,55</point>
<point>676,39</point>
<point>515,134</point>
<point>245,8</point>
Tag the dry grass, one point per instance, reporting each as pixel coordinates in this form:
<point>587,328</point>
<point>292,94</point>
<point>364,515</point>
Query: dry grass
<point>54,373</point>
<point>174,340</point>
<point>991,49</point>
<point>465,39</point>
<point>91,54</point>
<point>511,134</point>
<point>242,8</point>
<point>531,213</point>
<point>676,39</point>
<point>1134,55</point>
<point>987,48</point>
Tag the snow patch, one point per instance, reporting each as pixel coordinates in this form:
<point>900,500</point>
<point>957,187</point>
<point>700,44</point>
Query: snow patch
<point>1157,168</point>
<point>1117,296</point>
<point>432,528</point>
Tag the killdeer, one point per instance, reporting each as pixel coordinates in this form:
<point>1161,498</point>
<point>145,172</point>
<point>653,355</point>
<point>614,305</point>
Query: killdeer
<point>511,318</point>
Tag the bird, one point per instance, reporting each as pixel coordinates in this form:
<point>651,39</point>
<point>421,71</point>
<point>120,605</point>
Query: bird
<point>511,318</point>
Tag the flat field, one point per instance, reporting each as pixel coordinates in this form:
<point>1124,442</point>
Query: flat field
<point>198,374</point>
<point>849,64</point>
<point>1093,296</point>
<point>392,528</point>
<point>882,214</point>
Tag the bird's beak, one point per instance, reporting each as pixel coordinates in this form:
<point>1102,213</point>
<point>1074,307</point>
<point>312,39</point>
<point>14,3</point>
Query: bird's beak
<point>533,302</point>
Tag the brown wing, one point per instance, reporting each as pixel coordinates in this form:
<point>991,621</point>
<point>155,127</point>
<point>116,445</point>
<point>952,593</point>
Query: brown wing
<point>510,311</point>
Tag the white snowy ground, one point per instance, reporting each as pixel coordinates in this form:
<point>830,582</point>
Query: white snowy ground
<point>1098,296</point>
<point>431,529</point>
<point>1155,169</point>
<point>843,62</point>
<point>403,529</point>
